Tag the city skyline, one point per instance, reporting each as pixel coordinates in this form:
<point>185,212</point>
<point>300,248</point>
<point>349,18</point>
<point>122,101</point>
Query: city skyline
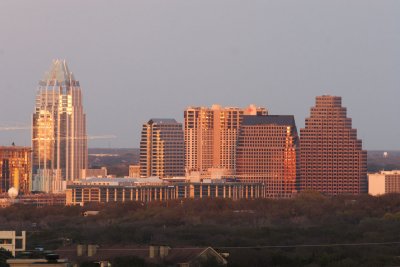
<point>272,53</point>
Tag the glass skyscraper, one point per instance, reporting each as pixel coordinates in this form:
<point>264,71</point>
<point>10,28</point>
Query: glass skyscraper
<point>59,140</point>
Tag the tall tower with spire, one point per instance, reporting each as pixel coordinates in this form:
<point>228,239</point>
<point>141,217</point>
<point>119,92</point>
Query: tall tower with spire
<point>59,139</point>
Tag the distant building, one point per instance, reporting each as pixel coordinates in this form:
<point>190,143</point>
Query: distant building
<point>104,190</point>
<point>15,168</point>
<point>384,182</point>
<point>211,137</point>
<point>59,140</point>
<point>37,200</point>
<point>162,149</point>
<point>331,157</point>
<point>267,153</point>
<point>134,171</point>
<point>13,241</point>
<point>99,173</point>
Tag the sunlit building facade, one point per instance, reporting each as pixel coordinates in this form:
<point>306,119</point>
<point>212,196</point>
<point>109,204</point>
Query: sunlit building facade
<point>267,153</point>
<point>15,169</point>
<point>59,140</point>
<point>162,149</point>
<point>103,190</point>
<point>211,137</point>
<point>331,157</point>
<point>384,182</point>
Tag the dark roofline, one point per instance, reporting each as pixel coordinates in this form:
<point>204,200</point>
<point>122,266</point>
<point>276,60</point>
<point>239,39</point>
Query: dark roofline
<point>269,119</point>
<point>163,120</point>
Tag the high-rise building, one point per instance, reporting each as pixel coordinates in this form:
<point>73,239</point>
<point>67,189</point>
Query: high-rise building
<point>331,157</point>
<point>162,149</point>
<point>211,137</point>
<point>267,153</point>
<point>15,168</point>
<point>59,140</point>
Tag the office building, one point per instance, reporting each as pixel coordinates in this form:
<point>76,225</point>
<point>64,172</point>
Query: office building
<point>15,169</point>
<point>331,157</point>
<point>267,153</point>
<point>59,140</point>
<point>162,149</point>
<point>211,137</point>
<point>384,182</point>
<point>105,190</point>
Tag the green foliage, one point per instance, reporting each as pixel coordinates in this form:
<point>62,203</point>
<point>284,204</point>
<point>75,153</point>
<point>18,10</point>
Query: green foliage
<point>4,256</point>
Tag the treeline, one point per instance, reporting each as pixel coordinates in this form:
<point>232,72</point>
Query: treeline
<point>261,232</point>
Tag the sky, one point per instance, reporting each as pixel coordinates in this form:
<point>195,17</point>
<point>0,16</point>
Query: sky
<point>143,59</point>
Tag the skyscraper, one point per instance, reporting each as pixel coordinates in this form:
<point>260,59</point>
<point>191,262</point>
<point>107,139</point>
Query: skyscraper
<point>162,149</point>
<point>267,153</point>
<point>331,157</point>
<point>211,137</point>
<point>15,168</point>
<point>59,140</point>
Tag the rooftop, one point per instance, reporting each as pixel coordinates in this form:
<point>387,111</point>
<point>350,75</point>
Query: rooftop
<point>269,119</point>
<point>59,71</point>
<point>162,121</point>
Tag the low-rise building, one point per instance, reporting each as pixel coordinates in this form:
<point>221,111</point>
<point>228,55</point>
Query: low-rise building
<point>384,182</point>
<point>103,190</point>
<point>134,171</point>
<point>99,173</point>
<point>13,241</point>
<point>38,200</point>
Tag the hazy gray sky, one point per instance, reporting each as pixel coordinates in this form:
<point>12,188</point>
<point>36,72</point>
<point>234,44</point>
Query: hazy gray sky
<point>141,59</point>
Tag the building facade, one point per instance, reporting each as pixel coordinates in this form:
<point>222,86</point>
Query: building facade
<point>267,153</point>
<point>104,190</point>
<point>331,157</point>
<point>134,171</point>
<point>162,149</point>
<point>15,169</point>
<point>59,140</point>
<point>384,182</point>
<point>211,137</point>
<point>99,173</point>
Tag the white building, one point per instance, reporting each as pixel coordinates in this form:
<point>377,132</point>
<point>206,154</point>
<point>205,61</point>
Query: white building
<point>384,182</point>
<point>11,241</point>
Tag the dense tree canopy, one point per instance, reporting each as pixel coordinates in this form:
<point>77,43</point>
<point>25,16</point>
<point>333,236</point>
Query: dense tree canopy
<point>249,230</point>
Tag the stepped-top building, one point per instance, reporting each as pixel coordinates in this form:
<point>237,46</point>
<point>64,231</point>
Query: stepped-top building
<point>267,153</point>
<point>59,140</point>
<point>331,157</point>
<point>211,137</point>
